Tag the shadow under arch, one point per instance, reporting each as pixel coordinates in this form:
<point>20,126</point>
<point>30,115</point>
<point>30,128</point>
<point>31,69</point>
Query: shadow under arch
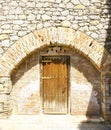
<point>92,76</point>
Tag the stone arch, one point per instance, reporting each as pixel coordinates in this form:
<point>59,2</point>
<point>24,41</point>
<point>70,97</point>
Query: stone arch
<point>84,44</point>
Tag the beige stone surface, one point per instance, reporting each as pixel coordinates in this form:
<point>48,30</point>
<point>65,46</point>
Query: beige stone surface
<point>3,36</point>
<point>80,7</point>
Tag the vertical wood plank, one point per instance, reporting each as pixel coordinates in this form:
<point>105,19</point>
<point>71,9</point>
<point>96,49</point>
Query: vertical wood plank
<point>55,85</point>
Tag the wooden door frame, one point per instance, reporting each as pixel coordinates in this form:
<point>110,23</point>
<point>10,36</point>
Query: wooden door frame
<point>41,82</point>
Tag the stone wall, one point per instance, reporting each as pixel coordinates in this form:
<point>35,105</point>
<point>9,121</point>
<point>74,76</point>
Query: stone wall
<point>5,97</point>
<point>20,17</point>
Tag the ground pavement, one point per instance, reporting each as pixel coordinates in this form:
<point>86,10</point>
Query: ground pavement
<point>53,122</point>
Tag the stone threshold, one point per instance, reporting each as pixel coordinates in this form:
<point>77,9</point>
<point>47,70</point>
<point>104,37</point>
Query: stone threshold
<point>43,118</point>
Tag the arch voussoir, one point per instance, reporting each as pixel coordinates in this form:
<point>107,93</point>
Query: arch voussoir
<point>77,40</point>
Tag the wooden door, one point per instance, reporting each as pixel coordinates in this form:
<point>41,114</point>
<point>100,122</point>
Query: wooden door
<point>55,84</point>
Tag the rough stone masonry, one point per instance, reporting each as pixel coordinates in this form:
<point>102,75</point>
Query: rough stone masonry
<point>21,17</point>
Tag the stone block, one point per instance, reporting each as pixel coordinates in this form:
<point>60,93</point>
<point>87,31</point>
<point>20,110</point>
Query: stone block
<point>66,23</point>
<point>52,35</point>
<point>75,2</point>
<point>31,4</point>
<point>7,31</point>
<point>18,22</point>
<point>18,10</point>
<point>5,85</point>
<point>85,2</point>
<point>70,6</point>
<point>3,36</point>
<point>13,3</point>
<point>95,1</point>
<point>5,106</point>
<point>65,12</point>
<point>13,38</point>
<point>94,35</point>
<point>5,43</point>
<point>22,16</point>
<point>46,17</point>
<point>79,7</point>
<point>31,17</point>
<point>16,27</point>
<point>5,26</point>
<point>58,1</point>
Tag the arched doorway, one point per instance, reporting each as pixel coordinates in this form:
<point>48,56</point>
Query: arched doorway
<point>35,41</point>
<point>55,80</point>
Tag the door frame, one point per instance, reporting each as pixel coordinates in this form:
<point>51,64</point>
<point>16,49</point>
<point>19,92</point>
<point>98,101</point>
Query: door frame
<point>41,82</point>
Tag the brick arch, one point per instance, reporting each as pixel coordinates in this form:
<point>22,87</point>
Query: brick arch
<point>84,44</point>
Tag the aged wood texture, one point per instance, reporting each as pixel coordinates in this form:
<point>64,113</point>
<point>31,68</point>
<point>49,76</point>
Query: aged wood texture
<point>55,85</point>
